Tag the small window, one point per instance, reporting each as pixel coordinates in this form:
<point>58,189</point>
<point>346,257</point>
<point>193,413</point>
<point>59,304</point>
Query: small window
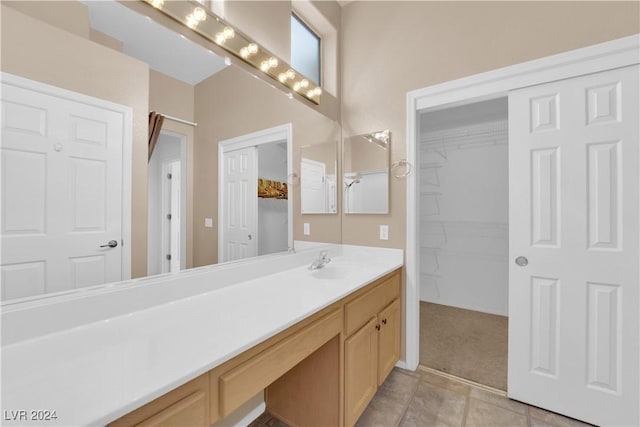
<point>305,49</point>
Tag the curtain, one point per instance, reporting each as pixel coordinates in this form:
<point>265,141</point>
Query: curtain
<point>155,125</point>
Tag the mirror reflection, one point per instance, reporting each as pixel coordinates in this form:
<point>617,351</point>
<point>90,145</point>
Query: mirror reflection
<point>103,74</point>
<point>366,173</point>
<point>318,180</point>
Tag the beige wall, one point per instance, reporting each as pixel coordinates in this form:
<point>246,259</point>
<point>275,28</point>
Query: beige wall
<point>71,16</point>
<point>323,153</point>
<point>175,98</point>
<point>268,22</point>
<point>105,40</point>
<point>362,155</point>
<point>38,51</point>
<point>390,48</point>
<point>231,104</point>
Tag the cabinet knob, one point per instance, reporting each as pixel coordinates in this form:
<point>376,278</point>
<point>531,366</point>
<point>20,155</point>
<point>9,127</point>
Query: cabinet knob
<point>384,321</point>
<point>378,327</point>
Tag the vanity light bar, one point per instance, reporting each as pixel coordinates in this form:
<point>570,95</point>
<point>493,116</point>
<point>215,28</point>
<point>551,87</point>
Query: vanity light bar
<point>194,16</point>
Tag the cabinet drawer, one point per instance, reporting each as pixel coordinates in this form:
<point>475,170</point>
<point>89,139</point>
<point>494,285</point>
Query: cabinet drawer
<point>187,405</point>
<point>245,380</point>
<point>363,308</point>
<point>190,411</point>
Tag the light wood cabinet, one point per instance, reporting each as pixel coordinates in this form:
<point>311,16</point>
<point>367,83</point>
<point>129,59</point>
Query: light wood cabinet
<point>388,340</point>
<point>361,370</point>
<point>373,350</point>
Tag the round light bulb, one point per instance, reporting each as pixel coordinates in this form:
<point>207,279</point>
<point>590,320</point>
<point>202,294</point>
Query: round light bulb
<point>304,83</point>
<point>192,22</point>
<point>253,48</point>
<point>264,66</point>
<point>220,38</point>
<point>244,53</point>
<point>199,14</point>
<point>273,62</point>
<point>228,33</point>
<point>291,74</point>
<point>317,91</point>
<point>310,93</point>
<point>282,77</point>
<point>296,86</point>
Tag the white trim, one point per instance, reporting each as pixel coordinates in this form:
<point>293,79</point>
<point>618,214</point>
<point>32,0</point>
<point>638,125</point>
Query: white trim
<point>492,84</point>
<point>265,136</point>
<point>127,113</point>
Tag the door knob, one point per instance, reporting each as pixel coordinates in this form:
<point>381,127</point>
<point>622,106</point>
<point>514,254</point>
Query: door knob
<point>111,244</point>
<point>522,261</point>
<point>249,236</point>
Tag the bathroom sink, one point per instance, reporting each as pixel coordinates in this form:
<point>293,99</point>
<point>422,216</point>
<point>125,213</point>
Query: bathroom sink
<point>333,272</point>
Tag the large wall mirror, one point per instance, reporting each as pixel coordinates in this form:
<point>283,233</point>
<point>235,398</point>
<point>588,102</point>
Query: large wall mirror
<point>133,57</point>
<point>365,178</point>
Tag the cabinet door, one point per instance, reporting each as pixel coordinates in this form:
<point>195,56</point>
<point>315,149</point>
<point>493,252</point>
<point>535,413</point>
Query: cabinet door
<point>389,339</point>
<point>361,370</point>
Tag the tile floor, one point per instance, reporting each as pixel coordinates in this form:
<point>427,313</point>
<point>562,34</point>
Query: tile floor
<point>427,399</point>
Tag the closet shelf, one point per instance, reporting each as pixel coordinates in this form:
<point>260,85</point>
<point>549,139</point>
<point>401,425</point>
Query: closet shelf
<point>485,134</point>
<point>501,257</point>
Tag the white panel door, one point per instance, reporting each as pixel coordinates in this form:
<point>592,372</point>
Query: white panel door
<point>240,191</point>
<point>574,201</point>
<point>61,193</point>
<point>313,186</point>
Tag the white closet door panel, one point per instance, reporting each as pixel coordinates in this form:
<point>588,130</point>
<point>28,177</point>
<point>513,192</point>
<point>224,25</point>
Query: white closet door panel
<point>574,209</point>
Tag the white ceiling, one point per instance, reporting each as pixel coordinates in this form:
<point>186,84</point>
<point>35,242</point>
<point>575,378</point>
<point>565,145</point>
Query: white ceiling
<point>165,51</point>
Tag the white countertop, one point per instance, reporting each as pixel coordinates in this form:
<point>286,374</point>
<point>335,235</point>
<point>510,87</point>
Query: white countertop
<point>93,373</point>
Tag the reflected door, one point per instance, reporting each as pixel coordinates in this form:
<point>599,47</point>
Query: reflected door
<point>574,231</point>
<point>240,199</point>
<point>313,186</point>
<point>61,193</point>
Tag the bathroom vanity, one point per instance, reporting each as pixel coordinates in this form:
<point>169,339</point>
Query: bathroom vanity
<point>193,347</point>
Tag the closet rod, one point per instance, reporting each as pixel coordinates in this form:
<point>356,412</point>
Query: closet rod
<point>176,119</point>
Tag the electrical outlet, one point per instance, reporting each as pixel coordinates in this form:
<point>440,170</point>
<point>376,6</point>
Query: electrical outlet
<point>307,229</point>
<point>384,232</point>
<point>208,222</point>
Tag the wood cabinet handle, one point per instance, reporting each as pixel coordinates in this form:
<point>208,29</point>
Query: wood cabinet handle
<point>384,321</point>
<point>378,327</point>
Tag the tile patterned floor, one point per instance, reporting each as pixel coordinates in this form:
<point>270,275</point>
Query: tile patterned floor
<point>425,399</point>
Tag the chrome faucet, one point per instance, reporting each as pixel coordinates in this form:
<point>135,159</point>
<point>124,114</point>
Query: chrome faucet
<point>322,260</point>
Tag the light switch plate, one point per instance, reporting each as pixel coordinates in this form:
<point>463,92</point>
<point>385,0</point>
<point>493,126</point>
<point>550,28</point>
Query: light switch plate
<point>307,229</point>
<point>208,222</point>
<point>384,232</point>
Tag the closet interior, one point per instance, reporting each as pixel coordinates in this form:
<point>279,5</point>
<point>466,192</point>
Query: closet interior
<point>464,240</point>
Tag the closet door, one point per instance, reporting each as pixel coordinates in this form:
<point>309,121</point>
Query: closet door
<point>574,232</point>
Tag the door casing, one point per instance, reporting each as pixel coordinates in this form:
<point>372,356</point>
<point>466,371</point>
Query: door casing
<point>484,86</point>
<point>265,136</point>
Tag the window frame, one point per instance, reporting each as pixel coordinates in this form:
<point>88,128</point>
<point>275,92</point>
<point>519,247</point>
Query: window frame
<point>296,15</point>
